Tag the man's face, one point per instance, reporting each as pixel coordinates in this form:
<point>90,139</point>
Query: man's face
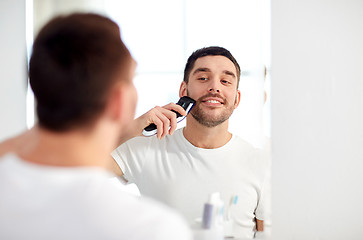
<point>213,84</point>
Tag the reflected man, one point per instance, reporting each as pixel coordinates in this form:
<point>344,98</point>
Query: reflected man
<point>181,168</point>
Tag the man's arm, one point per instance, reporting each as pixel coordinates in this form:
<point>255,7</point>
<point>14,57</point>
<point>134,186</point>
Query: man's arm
<point>263,230</point>
<point>162,117</point>
<point>259,225</point>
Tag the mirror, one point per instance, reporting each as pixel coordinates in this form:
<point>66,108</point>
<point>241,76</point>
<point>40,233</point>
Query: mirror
<point>162,34</point>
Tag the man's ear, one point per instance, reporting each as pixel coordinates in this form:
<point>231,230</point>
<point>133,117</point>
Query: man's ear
<point>115,102</point>
<point>238,99</point>
<point>183,89</point>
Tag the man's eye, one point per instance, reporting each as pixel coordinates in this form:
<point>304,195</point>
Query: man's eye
<point>225,81</point>
<point>203,78</point>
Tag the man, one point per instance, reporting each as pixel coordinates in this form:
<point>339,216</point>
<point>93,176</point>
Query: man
<point>181,169</point>
<point>53,178</point>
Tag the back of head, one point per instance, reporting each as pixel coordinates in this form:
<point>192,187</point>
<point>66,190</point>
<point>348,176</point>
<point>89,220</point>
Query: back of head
<point>73,66</point>
<point>209,51</point>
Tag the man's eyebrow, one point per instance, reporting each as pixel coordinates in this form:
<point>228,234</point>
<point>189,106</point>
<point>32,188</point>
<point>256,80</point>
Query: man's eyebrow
<point>201,70</point>
<point>229,73</point>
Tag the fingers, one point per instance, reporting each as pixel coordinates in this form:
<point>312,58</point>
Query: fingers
<point>176,107</point>
<point>164,119</point>
<point>173,125</point>
<point>173,120</point>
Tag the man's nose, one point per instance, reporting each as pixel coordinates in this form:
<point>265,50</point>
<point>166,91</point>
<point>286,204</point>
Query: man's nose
<point>213,90</point>
<point>214,87</point>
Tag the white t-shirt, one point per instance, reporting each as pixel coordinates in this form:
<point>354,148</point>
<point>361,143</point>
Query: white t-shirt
<point>181,175</point>
<point>43,202</point>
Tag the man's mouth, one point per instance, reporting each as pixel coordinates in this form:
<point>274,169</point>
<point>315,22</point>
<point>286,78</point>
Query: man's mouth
<point>213,101</point>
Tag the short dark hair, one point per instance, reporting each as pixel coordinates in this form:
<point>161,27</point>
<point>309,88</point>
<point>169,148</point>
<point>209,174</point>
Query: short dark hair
<point>72,68</point>
<point>209,51</point>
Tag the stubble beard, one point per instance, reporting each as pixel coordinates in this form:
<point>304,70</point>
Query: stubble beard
<point>206,119</point>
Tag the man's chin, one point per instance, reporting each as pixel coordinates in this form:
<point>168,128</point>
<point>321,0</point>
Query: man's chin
<point>209,121</point>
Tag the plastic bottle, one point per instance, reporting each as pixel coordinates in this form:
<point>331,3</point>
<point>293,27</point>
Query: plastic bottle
<point>213,212</point>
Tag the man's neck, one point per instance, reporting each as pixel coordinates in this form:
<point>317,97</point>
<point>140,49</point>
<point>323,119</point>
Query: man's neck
<point>69,149</point>
<point>206,137</point>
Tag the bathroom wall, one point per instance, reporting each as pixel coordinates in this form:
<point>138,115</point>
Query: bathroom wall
<point>13,80</point>
<point>317,117</point>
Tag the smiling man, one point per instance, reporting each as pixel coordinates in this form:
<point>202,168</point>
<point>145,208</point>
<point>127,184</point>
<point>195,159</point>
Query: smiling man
<point>182,168</point>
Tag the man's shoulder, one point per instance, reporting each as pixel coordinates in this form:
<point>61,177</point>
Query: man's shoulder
<point>245,148</point>
<point>141,213</point>
<point>242,144</point>
<point>15,143</point>
<point>7,146</point>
